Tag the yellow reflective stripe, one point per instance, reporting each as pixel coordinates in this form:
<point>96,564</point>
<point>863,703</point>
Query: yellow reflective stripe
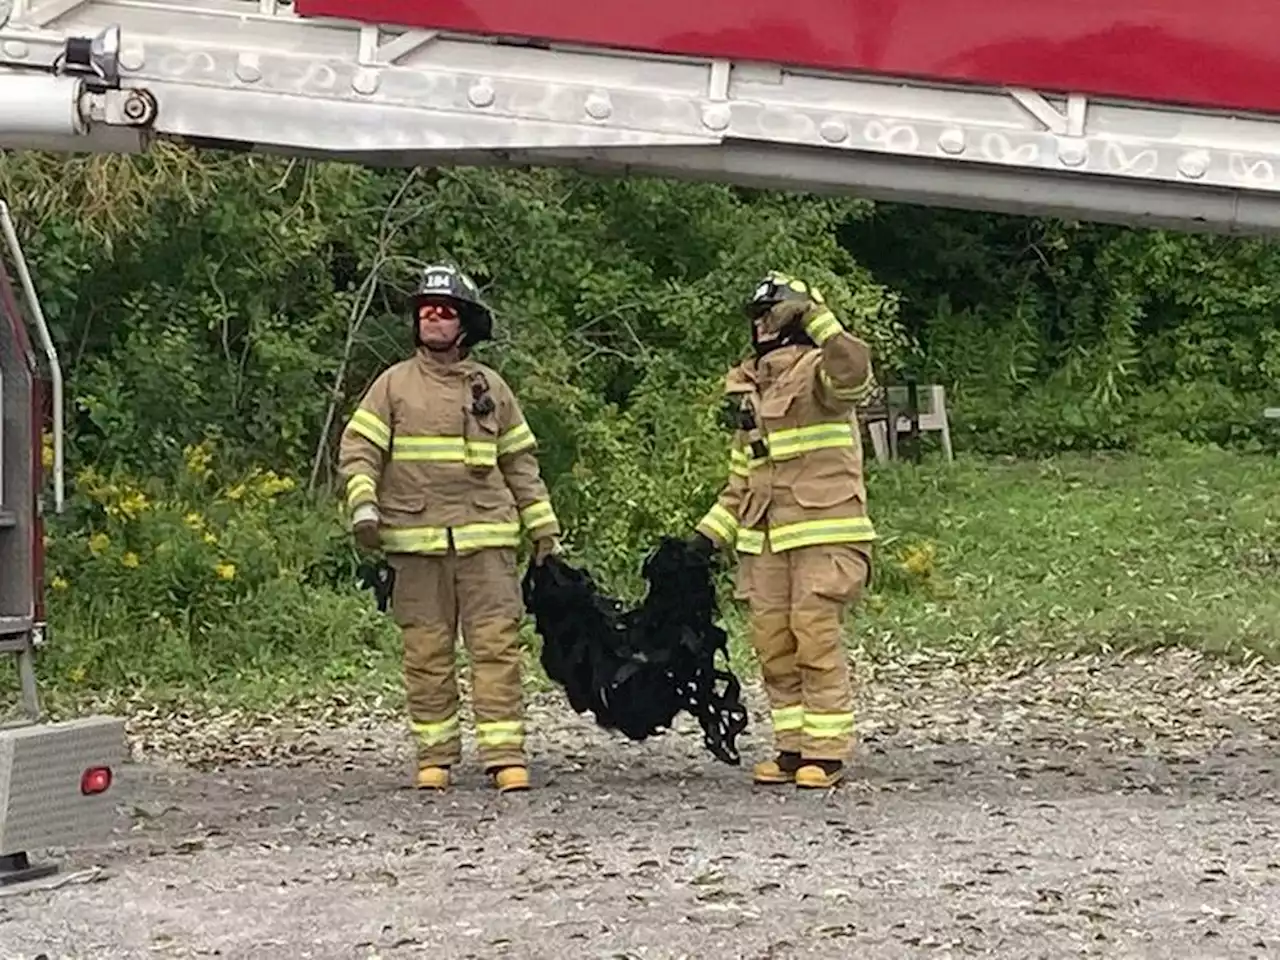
<point>751,541</point>
<point>478,536</point>
<point>434,734</point>
<point>741,466</point>
<point>785,444</point>
<point>361,489</point>
<point>469,536</point>
<point>483,453</point>
<point>810,533</point>
<point>429,448</point>
<point>500,733</point>
<point>848,393</point>
<point>539,514</point>
<point>371,427</point>
<point>720,522</point>
<point>828,726</point>
<point>822,327</point>
<point>518,438</point>
<point>788,718</point>
<point>415,539</point>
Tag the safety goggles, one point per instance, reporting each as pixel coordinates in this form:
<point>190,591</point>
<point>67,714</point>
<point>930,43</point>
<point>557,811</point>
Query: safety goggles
<point>437,311</point>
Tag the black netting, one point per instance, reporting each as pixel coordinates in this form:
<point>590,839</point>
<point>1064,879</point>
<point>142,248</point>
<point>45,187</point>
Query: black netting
<point>636,669</point>
<point>378,577</point>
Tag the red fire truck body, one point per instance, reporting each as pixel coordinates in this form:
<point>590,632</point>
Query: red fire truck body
<point>1164,51</point>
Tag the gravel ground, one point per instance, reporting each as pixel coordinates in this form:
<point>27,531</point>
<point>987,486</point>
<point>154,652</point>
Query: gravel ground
<point>1123,809</point>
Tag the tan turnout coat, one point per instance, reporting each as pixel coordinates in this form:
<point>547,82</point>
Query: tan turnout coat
<point>439,453</point>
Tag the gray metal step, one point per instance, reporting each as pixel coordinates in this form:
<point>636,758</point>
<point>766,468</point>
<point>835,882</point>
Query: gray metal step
<point>14,627</point>
<point>7,519</point>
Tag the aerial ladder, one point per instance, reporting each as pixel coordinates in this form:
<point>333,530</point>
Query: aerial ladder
<point>1124,111</point>
<point>1162,114</point>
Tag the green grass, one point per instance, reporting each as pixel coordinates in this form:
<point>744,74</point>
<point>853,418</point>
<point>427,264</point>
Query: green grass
<point>1079,554</point>
<point>979,559</point>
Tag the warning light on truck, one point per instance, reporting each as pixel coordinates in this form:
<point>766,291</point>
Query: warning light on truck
<point>95,780</point>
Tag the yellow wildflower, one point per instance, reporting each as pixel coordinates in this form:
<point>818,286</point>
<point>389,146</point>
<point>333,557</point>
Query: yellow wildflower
<point>98,543</point>
<point>129,505</point>
<point>94,485</point>
<point>919,560</point>
<point>194,521</point>
<point>271,484</point>
<point>225,571</point>
<point>210,539</point>
<point>59,583</point>
<point>130,560</point>
<point>197,459</point>
<point>76,674</point>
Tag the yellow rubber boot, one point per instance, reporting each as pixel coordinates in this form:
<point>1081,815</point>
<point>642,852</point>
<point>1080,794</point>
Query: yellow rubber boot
<point>819,775</point>
<point>510,779</point>
<point>781,769</point>
<point>432,778</point>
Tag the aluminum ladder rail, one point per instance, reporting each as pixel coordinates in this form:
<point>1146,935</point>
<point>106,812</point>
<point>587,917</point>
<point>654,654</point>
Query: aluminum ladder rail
<point>252,75</point>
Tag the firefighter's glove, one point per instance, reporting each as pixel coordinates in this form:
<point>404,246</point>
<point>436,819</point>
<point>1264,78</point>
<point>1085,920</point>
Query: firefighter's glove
<point>787,315</point>
<point>546,547</point>
<point>366,533</point>
<point>364,524</point>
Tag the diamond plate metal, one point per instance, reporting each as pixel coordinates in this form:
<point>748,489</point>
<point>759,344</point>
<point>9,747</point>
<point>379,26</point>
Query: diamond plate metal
<point>41,804</point>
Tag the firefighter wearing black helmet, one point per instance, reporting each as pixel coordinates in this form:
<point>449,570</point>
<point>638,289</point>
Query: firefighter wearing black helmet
<point>441,473</point>
<point>795,510</point>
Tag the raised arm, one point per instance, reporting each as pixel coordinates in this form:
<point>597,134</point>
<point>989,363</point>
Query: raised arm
<point>844,372</point>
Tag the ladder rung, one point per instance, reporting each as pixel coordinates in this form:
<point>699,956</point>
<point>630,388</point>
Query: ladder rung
<point>11,628</point>
<point>7,519</point>
<point>17,643</point>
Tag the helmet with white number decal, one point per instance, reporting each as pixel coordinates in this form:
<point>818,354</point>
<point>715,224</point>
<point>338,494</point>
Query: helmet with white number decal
<point>441,282</point>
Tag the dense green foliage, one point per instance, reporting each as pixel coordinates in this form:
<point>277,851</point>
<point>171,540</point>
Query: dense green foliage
<point>1066,336</point>
<point>219,316</point>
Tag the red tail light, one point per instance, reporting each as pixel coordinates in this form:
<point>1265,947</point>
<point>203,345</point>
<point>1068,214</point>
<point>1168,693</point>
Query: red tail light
<point>95,780</point>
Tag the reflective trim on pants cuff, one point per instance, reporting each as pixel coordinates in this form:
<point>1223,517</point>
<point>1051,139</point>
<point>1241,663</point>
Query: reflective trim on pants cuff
<point>788,719</point>
<point>500,734</point>
<point>432,733</point>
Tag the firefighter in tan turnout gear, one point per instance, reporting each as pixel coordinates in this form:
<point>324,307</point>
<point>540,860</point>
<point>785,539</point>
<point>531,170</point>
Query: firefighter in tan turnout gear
<point>441,473</point>
<point>795,510</point>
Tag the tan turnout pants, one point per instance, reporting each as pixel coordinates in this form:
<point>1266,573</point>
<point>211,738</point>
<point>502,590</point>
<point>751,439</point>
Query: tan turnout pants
<point>479,593</point>
<point>797,601</point>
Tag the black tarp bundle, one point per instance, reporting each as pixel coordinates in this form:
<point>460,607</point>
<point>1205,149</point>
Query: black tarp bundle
<point>636,669</point>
